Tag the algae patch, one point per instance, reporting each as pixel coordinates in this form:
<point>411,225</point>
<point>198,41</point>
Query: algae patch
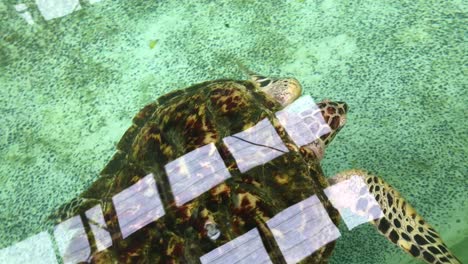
<point>153,43</point>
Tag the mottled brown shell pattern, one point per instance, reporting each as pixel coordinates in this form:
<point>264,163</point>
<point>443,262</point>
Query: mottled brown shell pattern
<point>176,124</point>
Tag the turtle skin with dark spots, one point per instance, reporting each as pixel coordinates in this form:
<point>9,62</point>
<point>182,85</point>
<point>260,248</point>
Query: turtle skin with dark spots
<point>174,125</point>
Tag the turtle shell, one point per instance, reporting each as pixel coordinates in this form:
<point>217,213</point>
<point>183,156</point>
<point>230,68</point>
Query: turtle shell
<point>174,125</point>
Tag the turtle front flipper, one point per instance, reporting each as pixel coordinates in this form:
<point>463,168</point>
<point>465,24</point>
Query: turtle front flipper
<point>400,223</point>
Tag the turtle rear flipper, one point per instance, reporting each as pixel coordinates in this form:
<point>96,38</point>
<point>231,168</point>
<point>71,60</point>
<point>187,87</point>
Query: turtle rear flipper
<point>400,223</point>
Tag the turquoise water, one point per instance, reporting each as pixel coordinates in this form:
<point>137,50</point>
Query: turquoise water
<point>70,85</point>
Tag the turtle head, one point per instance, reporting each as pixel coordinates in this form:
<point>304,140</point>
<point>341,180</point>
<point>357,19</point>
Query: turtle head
<point>334,114</point>
<point>283,90</point>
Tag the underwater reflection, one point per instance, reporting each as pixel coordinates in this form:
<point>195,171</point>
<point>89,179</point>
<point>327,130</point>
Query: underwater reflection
<point>138,206</point>
<point>299,230</point>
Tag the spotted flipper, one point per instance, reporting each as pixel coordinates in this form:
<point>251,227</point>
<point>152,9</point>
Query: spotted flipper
<point>401,224</point>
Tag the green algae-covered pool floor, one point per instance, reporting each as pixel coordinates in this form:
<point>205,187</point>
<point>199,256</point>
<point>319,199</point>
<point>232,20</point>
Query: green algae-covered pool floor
<point>69,87</point>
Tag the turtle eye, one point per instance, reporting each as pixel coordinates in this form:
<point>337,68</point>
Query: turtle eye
<point>265,83</point>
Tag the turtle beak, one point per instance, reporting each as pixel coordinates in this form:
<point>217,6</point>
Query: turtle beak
<point>345,106</point>
<point>334,114</point>
<point>342,111</point>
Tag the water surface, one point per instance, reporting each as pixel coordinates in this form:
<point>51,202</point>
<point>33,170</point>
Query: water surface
<point>72,77</point>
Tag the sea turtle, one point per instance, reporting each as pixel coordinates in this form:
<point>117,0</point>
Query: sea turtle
<point>188,119</point>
